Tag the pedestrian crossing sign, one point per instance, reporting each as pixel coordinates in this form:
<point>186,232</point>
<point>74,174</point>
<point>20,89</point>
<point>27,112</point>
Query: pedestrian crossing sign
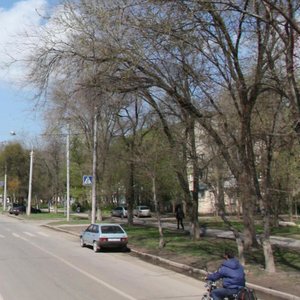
<point>87,180</point>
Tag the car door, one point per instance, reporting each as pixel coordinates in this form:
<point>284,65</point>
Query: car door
<point>95,233</point>
<point>88,235</point>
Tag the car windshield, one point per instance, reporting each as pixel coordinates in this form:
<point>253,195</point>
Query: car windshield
<point>111,229</point>
<point>144,207</point>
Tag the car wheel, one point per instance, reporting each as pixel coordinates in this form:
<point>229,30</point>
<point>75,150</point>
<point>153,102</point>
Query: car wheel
<point>82,244</point>
<point>95,247</point>
<point>125,249</point>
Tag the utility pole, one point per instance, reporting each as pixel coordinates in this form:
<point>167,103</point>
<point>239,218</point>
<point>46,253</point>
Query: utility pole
<point>5,189</point>
<point>95,143</point>
<point>68,172</point>
<point>30,183</point>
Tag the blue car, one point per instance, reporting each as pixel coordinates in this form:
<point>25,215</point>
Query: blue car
<point>104,235</point>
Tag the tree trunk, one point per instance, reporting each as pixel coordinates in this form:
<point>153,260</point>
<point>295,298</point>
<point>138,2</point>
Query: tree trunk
<point>194,220</point>
<point>265,238</point>
<point>55,204</point>
<point>265,204</point>
<point>247,199</point>
<point>240,246</point>
<point>249,228</point>
<point>130,194</point>
<point>99,214</point>
<point>161,243</point>
<point>269,259</point>
<point>237,234</point>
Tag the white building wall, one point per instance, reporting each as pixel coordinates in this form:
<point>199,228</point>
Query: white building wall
<point>206,203</point>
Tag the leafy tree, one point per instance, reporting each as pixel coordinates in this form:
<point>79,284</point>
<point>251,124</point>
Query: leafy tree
<point>16,160</point>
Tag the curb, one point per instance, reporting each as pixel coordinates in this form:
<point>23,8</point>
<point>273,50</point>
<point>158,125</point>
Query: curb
<point>275,293</point>
<point>192,270</point>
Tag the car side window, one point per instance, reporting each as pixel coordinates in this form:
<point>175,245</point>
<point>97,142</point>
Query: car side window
<point>90,228</point>
<point>96,229</point>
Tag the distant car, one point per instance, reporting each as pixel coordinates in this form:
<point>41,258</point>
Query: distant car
<point>20,209</point>
<point>104,236</point>
<point>120,211</point>
<point>142,211</point>
<point>17,209</point>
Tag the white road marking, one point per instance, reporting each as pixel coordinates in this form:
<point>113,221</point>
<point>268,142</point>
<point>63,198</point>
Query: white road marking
<point>19,237</point>
<point>43,234</point>
<point>116,290</point>
<point>28,233</point>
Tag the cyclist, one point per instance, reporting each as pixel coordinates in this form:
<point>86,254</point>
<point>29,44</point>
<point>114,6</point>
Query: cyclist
<point>233,275</point>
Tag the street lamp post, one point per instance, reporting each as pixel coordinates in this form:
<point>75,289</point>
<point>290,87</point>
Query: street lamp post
<point>68,173</point>
<point>28,211</point>
<point>5,189</point>
<point>95,144</point>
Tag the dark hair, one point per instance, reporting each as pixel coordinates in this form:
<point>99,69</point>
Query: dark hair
<point>229,253</point>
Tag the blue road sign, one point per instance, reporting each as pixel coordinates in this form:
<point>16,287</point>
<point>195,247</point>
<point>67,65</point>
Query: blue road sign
<point>87,180</point>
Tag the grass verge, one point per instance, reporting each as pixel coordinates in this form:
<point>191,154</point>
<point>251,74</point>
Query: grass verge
<point>205,253</point>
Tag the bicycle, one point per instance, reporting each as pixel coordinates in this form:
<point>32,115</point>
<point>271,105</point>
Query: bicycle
<point>243,294</point>
<point>210,286</point>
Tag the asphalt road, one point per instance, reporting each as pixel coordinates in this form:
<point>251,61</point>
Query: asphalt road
<point>39,263</point>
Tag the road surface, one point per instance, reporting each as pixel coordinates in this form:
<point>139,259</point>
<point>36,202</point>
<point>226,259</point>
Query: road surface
<point>38,263</point>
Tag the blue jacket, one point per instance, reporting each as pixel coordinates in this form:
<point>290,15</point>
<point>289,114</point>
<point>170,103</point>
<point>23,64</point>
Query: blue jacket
<point>232,273</point>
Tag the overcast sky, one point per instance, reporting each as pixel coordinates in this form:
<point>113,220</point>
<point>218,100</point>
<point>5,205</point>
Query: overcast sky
<point>17,110</point>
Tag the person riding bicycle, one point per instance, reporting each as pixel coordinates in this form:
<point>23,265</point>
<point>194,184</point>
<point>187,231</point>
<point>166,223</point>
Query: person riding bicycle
<point>233,275</point>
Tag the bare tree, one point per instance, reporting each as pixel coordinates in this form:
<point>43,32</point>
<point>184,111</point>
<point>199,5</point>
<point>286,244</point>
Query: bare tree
<point>220,45</point>
<point>281,16</point>
<point>186,66</point>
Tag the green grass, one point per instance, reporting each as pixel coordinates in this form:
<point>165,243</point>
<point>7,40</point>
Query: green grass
<point>286,231</point>
<point>59,217</point>
<point>44,216</point>
<point>176,241</point>
<point>207,249</point>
